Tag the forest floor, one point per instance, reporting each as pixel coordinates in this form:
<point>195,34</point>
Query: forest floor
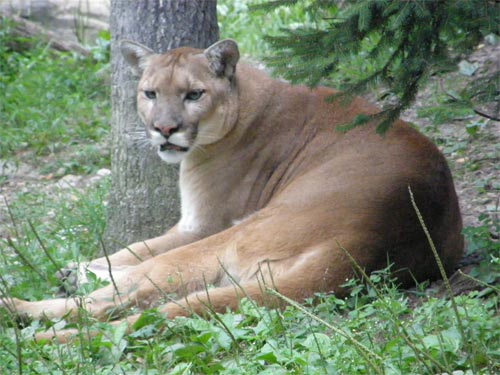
<point>474,159</point>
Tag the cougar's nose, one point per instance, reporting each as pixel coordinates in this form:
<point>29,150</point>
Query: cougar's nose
<point>166,130</point>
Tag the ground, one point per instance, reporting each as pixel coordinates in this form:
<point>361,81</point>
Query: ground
<point>474,159</point>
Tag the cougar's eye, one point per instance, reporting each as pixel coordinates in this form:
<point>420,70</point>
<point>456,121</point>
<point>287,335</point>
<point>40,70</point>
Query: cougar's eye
<point>194,95</point>
<point>150,94</point>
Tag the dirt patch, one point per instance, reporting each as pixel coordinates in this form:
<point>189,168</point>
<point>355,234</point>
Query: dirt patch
<point>473,158</point>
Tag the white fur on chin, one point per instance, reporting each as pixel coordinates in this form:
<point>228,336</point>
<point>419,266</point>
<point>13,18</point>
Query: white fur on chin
<point>171,156</point>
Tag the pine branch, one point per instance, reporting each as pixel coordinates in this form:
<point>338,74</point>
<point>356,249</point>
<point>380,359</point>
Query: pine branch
<point>413,40</point>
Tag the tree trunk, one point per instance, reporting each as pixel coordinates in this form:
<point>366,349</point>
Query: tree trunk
<point>144,199</point>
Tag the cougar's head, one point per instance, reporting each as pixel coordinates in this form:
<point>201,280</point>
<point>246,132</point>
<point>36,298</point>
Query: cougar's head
<point>181,94</point>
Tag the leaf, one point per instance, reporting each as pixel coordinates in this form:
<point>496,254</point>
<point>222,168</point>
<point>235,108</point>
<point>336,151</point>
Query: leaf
<point>269,357</point>
<point>467,69</point>
<point>491,39</point>
<point>181,369</point>
<point>317,342</point>
<point>448,340</point>
<point>199,325</point>
<point>119,332</point>
<point>472,129</point>
<point>223,339</point>
<point>268,354</point>
<point>148,317</point>
<point>189,351</point>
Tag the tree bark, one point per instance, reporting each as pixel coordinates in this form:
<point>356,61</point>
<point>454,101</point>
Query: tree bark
<point>144,199</point>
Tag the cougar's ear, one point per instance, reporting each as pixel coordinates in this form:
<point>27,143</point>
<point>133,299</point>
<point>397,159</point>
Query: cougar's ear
<point>222,57</point>
<point>136,55</point>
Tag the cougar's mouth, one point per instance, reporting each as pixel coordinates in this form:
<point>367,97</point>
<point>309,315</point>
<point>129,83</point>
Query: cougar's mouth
<point>167,146</point>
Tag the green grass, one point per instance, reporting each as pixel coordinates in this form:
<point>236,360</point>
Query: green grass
<point>65,225</point>
<point>55,105</point>
<point>49,100</point>
<point>378,329</point>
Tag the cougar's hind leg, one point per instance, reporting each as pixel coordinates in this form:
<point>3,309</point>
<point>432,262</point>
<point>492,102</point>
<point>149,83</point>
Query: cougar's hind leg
<point>320,269</point>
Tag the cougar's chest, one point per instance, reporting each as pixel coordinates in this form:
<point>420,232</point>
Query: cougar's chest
<point>190,217</point>
<point>217,192</point>
<point>204,206</point>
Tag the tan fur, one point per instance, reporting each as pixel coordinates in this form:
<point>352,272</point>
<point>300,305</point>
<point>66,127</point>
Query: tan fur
<point>269,189</point>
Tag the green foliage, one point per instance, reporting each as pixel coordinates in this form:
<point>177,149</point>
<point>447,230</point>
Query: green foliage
<point>49,99</point>
<point>239,21</point>
<point>483,241</point>
<point>400,42</point>
<point>47,232</point>
<point>400,337</point>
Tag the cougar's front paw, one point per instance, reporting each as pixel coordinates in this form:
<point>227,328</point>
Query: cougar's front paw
<point>70,278</point>
<point>75,275</point>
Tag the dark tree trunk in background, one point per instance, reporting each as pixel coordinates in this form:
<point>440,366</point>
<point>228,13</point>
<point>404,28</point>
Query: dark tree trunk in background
<point>144,199</point>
